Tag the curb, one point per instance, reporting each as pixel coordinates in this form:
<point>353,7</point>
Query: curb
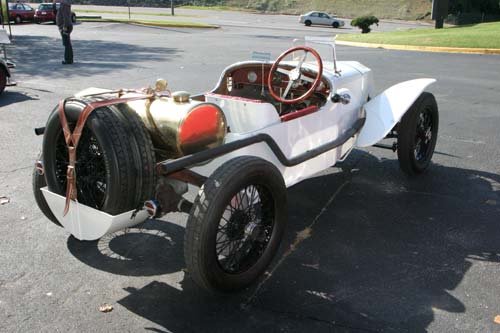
<point>89,17</point>
<point>421,48</point>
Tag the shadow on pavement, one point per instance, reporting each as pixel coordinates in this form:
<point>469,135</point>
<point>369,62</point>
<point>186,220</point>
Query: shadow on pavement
<point>384,256</point>
<point>41,56</point>
<point>11,97</point>
<point>151,248</point>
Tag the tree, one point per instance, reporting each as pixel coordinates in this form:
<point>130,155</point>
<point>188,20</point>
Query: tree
<point>470,6</point>
<point>364,23</point>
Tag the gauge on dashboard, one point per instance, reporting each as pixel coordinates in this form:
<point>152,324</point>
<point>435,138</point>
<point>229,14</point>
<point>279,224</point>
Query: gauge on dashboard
<point>252,77</point>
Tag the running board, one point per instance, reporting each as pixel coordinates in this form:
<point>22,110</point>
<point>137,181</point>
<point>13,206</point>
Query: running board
<point>86,223</point>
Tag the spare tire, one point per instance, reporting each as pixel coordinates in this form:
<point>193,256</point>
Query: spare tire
<point>115,167</point>
<point>38,182</point>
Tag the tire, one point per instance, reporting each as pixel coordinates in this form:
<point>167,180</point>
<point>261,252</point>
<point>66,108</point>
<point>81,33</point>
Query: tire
<point>38,182</point>
<point>3,79</point>
<point>335,25</point>
<point>230,185</point>
<point>73,18</point>
<point>308,23</point>
<point>18,20</point>
<point>143,149</point>
<point>417,135</point>
<point>121,175</point>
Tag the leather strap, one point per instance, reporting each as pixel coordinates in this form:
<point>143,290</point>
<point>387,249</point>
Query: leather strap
<point>73,138</point>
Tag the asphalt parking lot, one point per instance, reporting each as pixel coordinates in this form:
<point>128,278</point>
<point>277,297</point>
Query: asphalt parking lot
<point>373,250</point>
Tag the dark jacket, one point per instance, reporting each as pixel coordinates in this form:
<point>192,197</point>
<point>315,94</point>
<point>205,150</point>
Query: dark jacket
<point>63,18</point>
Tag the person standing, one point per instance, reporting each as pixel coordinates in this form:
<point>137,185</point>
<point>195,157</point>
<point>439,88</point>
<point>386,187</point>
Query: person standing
<point>65,25</point>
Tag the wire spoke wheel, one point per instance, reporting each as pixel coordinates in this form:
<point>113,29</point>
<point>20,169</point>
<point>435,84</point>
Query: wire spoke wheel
<point>244,229</point>
<point>423,135</point>
<point>417,135</point>
<point>90,169</point>
<point>236,224</point>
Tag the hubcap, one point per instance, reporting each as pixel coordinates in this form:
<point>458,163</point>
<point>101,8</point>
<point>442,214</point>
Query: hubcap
<point>295,74</point>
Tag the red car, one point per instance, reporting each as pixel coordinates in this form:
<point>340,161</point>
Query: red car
<point>47,13</point>
<point>19,12</point>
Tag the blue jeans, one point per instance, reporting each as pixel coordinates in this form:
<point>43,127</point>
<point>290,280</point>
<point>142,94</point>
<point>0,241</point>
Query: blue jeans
<point>68,48</point>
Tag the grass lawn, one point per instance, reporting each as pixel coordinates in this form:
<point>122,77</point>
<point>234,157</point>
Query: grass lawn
<point>485,35</point>
<point>156,23</point>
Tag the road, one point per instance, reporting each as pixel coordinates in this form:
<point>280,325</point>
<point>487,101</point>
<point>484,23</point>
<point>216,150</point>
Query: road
<point>377,252</point>
<point>243,20</point>
<point>232,19</point>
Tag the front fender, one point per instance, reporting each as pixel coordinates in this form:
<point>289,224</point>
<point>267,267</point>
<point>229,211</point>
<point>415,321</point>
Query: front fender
<point>387,109</point>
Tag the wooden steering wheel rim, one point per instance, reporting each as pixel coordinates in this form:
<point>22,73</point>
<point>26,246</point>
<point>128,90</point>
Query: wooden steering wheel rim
<point>314,85</point>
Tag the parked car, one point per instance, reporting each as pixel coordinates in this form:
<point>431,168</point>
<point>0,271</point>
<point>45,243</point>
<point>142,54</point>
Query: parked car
<point>46,13</point>
<point>320,18</point>
<point>266,126</point>
<point>20,12</point>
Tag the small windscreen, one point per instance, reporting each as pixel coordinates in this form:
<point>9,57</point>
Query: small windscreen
<point>45,7</point>
<point>325,46</point>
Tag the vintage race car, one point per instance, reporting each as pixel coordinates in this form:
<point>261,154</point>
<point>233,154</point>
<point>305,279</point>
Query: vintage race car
<point>111,159</point>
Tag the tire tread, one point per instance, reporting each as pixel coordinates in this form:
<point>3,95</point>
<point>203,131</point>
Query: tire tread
<point>38,182</point>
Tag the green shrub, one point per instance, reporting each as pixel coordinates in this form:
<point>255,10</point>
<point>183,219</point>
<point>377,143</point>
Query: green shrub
<point>364,23</point>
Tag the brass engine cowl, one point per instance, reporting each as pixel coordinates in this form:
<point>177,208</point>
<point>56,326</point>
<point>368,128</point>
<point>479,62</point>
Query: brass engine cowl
<point>183,127</point>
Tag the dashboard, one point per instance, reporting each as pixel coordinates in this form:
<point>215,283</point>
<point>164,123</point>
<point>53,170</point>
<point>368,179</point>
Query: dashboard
<point>250,81</point>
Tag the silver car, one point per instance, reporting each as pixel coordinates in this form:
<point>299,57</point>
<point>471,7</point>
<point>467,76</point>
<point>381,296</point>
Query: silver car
<point>320,18</point>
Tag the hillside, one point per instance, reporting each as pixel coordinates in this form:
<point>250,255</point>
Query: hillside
<point>398,9</point>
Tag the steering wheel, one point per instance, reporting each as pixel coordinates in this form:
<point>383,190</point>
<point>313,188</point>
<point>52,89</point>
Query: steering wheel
<point>295,75</point>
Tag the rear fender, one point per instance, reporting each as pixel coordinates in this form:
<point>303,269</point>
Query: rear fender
<point>386,110</point>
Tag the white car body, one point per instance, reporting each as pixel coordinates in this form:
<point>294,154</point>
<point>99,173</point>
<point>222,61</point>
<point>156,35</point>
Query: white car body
<point>305,133</point>
<point>298,135</point>
<point>321,18</point>
<point>248,118</point>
